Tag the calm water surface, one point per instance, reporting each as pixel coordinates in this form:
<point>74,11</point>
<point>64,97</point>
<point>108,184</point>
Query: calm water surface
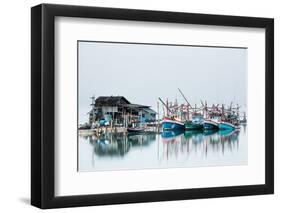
<point>166,150</point>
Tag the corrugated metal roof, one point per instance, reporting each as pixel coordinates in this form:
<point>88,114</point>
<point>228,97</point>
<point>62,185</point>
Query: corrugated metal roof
<point>135,106</point>
<point>111,101</point>
<point>120,101</point>
<point>149,110</point>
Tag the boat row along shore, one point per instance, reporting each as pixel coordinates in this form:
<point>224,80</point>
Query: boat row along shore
<point>117,114</point>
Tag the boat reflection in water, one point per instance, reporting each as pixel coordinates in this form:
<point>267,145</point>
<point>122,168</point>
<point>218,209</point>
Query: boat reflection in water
<point>201,142</point>
<point>166,150</point>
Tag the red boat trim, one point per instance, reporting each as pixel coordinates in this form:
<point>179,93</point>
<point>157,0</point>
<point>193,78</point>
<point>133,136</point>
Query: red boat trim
<point>168,120</point>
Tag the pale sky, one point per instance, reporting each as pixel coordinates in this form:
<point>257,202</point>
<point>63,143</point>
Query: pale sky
<point>142,73</point>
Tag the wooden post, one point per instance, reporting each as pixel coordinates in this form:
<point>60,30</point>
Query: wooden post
<point>112,120</point>
<point>158,119</point>
<point>131,115</point>
<point>188,112</point>
<point>167,104</point>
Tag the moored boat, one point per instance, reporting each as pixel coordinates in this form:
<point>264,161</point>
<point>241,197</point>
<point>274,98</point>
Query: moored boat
<point>196,123</point>
<point>210,125</point>
<point>172,124</point>
<point>226,126</point>
<point>190,125</point>
<point>135,129</point>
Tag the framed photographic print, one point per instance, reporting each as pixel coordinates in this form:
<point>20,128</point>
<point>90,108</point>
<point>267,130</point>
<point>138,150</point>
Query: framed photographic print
<point>140,106</point>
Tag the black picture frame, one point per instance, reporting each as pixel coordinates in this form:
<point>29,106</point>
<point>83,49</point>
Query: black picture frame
<point>43,105</point>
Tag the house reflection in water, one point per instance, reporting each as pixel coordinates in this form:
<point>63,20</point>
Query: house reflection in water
<point>117,145</point>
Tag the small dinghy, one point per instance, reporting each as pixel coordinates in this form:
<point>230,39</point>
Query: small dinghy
<point>135,129</point>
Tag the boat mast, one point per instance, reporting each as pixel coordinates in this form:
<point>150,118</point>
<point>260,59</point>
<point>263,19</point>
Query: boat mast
<point>167,107</point>
<point>184,97</point>
<point>188,104</point>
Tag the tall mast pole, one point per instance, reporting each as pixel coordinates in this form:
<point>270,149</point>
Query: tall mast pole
<point>167,107</point>
<point>184,97</point>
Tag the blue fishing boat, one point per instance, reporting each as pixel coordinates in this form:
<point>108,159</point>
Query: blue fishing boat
<point>210,125</point>
<point>226,126</point>
<point>172,124</point>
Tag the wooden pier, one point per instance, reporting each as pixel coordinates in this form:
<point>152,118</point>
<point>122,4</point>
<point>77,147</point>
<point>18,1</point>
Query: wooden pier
<point>108,129</point>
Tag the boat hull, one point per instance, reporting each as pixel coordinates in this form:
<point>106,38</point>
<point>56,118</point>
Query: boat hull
<point>168,124</point>
<point>189,125</point>
<point>226,126</point>
<point>210,125</point>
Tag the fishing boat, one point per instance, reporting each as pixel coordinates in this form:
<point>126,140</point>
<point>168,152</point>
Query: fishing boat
<point>172,124</point>
<point>196,123</point>
<point>210,125</point>
<point>226,126</point>
<point>189,125</point>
